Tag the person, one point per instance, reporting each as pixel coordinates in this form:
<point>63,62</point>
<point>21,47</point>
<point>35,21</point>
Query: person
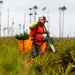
<point>36,33</point>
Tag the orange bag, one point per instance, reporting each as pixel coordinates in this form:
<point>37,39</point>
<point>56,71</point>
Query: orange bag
<point>43,47</point>
<point>25,45</point>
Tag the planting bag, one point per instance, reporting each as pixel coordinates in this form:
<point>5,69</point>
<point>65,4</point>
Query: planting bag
<point>43,47</point>
<point>25,45</point>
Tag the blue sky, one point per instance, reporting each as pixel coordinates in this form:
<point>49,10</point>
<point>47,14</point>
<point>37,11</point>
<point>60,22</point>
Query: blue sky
<point>18,8</point>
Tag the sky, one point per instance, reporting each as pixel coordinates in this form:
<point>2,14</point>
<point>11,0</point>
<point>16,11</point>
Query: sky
<point>18,10</point>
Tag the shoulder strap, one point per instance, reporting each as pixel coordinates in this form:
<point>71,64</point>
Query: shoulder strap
<point>36,28</point>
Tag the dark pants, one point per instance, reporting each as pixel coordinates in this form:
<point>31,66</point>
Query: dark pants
<point>36,50</point>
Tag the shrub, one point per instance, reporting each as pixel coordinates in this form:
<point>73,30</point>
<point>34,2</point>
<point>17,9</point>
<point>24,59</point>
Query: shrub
<point>22,36</point>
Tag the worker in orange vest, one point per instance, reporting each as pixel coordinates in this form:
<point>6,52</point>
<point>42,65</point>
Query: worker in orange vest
<point>36,33</point>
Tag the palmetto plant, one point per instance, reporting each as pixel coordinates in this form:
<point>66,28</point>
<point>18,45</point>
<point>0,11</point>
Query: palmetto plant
<point>44,8</point>
<point>73,55</point>
<point>13,62</point>
<point>35,8</point>
<point>63,10</point>
<point>30,14</point>
<point>59,21</point>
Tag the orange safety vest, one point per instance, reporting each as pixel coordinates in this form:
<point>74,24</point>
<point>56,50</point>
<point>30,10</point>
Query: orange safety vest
<point>37,33</point>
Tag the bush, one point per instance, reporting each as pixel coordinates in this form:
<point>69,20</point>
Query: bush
<point>22,36</point>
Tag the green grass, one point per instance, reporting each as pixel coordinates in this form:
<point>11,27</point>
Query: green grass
<point>13,62</point>
<point>10,61</point>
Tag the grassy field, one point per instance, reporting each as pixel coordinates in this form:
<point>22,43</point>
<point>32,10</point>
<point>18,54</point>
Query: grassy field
<point>13,62</point>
